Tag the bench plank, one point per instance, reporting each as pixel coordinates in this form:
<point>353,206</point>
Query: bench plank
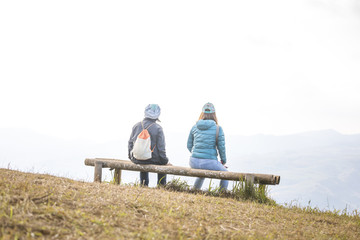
<point>266,179</point>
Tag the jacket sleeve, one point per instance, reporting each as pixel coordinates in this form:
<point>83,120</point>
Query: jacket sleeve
<point>131,142</point>
<point>161,146</point>
<point>190,142</point>
<point>221,145</point>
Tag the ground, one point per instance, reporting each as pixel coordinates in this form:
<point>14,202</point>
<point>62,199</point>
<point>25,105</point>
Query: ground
<point>48,207</point>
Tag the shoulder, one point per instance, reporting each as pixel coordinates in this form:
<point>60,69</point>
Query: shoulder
<point>158,126</point>
<point>155,128</point>
<point>193,128</point>
<point>137,125</point>
<point>221,130</point>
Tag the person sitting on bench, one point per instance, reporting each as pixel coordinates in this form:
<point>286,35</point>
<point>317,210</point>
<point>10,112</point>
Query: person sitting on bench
<point>205,137</point>
<point>158,153</point>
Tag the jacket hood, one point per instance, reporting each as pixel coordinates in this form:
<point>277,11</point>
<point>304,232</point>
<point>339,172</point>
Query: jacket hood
<point>205,124</point>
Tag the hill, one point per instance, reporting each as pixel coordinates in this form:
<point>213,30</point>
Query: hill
<point>45,206</point>
<point>318,168</point>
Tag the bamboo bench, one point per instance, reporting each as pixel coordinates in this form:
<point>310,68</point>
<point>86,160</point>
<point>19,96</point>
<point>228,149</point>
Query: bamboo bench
<point>118,165</point>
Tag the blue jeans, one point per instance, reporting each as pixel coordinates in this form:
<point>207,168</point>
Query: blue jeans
<point>209,164</point>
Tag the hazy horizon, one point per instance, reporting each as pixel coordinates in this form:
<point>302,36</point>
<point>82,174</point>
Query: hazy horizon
<point>320,166</point>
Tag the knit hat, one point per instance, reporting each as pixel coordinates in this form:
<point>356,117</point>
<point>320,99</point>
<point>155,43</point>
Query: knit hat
<point>208,108</point>
<point>152,111</point>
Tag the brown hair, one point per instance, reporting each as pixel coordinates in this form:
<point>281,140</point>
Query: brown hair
<point>208,116</point>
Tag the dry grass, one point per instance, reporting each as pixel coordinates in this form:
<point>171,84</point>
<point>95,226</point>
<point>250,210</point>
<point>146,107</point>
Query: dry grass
<point>48,207</point>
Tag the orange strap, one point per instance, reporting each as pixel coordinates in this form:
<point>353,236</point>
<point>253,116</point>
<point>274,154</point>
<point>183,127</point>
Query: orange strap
<point>142,125</point>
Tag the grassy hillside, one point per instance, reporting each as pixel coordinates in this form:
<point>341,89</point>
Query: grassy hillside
<point>44,206</point>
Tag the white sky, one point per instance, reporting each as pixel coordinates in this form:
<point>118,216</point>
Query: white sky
<point>87,69</point>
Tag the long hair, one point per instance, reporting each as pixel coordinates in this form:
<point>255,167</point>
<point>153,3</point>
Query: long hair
<point>208,116</point>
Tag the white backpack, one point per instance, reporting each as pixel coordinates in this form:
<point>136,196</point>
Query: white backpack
<point>142,146</point>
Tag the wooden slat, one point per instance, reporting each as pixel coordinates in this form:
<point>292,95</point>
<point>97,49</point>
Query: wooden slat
<point>267,179</point>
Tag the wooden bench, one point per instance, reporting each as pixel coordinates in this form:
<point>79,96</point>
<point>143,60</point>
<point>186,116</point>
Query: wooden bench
<point>118,165</point>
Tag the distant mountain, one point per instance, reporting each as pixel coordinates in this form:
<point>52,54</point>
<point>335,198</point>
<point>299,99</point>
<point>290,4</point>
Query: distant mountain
<point>319,168</point>
<point>270,143</point>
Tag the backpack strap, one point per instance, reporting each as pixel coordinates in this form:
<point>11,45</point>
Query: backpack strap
<point>150,125</point>
<point>142,125</point>
<point>147,129</point>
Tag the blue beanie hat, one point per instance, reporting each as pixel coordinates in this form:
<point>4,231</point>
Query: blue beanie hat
<point>152,111</point>
<point>208,108</point>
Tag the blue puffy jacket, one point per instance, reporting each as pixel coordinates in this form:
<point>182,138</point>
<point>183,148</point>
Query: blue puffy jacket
<point>202,141</point>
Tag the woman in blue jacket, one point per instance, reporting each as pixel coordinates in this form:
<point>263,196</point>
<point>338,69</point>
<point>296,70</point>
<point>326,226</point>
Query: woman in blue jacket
<point>203,142</point>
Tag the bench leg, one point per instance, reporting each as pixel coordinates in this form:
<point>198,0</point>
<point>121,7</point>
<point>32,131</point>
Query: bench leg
<point>98,172</point>
<point>117,176</point>
<point>250,178</point>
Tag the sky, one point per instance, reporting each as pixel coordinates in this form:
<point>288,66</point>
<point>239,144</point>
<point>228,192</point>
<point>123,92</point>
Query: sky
<point>87,69</point>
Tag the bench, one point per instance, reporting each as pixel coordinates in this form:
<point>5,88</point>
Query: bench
<point>118,165</point>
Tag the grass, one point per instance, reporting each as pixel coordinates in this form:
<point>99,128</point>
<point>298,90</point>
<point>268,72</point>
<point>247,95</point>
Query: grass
<point>47,207</point>
<point>241,190</point>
